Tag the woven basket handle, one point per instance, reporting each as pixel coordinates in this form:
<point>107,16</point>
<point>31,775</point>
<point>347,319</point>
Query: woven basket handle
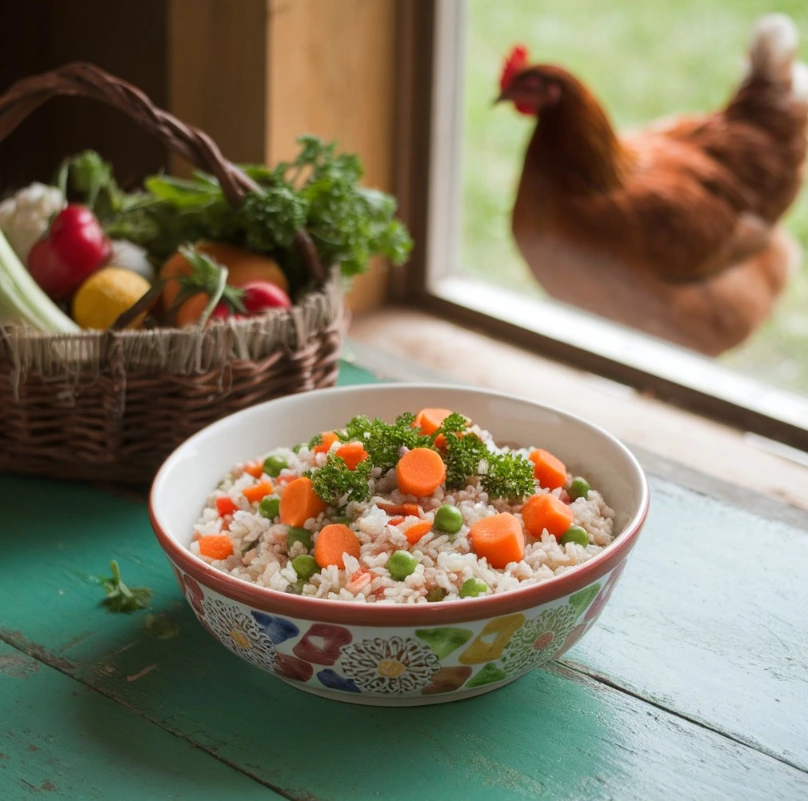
<point>87,80</point>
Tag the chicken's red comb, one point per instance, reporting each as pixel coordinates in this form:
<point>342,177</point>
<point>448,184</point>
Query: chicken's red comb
<point>514,64</point>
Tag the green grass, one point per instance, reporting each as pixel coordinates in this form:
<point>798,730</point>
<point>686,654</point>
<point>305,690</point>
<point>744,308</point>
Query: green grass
<point>644,59</point>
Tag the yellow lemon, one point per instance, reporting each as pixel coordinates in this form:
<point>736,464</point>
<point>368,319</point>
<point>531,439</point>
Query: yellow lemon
<point>105,295</point>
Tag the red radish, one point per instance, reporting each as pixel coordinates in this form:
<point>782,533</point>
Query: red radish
<point>74,248</point>
<point>260,296</point>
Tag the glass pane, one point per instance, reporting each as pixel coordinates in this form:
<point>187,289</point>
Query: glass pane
<point>643,60</point>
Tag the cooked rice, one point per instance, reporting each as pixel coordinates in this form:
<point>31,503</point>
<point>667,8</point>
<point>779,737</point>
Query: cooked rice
<point>260,554</point>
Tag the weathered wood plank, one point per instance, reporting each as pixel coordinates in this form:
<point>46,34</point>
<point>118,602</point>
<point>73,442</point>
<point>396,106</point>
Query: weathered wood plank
<point>709,620</point>
<point>617,746</point>
<point>60,739</point>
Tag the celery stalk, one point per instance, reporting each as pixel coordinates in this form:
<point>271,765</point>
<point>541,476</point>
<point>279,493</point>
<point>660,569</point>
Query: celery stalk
<point>22,300</point>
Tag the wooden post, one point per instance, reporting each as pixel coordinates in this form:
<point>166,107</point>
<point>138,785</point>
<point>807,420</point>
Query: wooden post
<point>258,73</point>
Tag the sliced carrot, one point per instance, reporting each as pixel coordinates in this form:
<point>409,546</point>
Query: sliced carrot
<point>332,543</point>
<point>549,470</point>
<point>328,439</point>
<point>255,469</point>
<point>396,521</point>
<point>216,546</point>
<point>546,512</point>
<point>360,579</point>
<point>226,506</point>
<point>417,530</point>
<point>299,502</point>
<point>420,472</point>
<point>258,491</point>
<point>499,539</point>
<point>352,453</point>
<point>405,509</point>
<point>429,420</point>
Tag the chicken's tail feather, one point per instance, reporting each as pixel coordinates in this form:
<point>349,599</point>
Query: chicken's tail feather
<point>771,54</point>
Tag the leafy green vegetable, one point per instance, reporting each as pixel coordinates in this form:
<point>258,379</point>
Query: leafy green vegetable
<point>319,191</point>
<point>121,598</point>
<point>335,479</point>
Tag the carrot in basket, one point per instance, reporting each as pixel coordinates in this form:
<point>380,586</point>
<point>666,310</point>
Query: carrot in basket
<point>332,543</point>
<point>499,539</point>
<point>258,491</point>
<point>215,546</point>
<point>549,470</point>
<point>546,512</point>
<point>420,472</point>
<point>328,438</point>
<point>417,530</point>
<point>352,453</point>
<point>299,502</point>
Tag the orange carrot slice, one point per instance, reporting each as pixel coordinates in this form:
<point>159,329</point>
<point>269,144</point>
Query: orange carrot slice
<point>417,530</point>
<point>352,453</point>
<point>396,521</point>
<point>420,472</point>
<point>405,509</point>
<point>546,512</point>
<point>299,502</point>
<point>328,439</point>
<point>429,420</point>
<point>255,469</point>
<point>499,539</point>
<point>332,543</point>
<point>549,470</point>
<point>225,506</point>
<point>215,546</point>
<point>258,491</point>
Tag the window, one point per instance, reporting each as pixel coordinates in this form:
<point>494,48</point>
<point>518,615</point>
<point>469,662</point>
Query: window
<point>645,60</point>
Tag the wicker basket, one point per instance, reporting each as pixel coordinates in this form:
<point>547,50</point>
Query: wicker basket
<point>111,405</point>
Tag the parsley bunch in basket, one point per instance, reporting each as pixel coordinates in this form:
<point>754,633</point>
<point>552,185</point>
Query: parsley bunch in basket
<point>319,191</point>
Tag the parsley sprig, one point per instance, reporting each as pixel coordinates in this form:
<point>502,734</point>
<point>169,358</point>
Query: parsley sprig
<point>121,598</point>
<point>335,480</point>
<point>502,475</point>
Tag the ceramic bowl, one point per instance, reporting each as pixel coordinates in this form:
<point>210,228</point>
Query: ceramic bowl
<point>385,654</point>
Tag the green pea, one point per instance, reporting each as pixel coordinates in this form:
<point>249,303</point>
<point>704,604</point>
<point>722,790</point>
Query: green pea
<point>305,566</point>
<point>435,594</point>
<point>274,464</point>
<point>448,519</point>
<point>401,564</point>
<point>295,534</point>
<point>346,521</point>
<point>579,488</point>
<point>472,588</point>
<point>575,534</point>
<point>269,507</point>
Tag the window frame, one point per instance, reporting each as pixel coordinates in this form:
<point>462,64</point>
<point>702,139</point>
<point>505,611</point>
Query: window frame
<point>432,39</point>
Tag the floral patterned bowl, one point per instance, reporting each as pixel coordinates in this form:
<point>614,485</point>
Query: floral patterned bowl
<point>385,654</point>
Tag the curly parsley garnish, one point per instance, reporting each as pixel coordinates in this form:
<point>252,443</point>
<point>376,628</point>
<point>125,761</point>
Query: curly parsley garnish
<point>383,441</point>
<point>335,480</point>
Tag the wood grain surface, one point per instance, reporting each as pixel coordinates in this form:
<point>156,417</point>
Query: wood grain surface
<point>691,686</point>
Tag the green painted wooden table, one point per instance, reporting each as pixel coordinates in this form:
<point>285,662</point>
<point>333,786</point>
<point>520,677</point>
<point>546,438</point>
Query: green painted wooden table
<point>692,685</point>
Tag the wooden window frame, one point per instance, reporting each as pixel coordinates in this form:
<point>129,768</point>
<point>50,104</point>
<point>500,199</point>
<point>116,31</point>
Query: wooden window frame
<point>427,183</point>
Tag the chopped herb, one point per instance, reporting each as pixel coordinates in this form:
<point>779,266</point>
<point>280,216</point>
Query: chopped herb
<point>508,476</point>
<point>121,598</point>
<point>383,441</point>
<point>335,479</point>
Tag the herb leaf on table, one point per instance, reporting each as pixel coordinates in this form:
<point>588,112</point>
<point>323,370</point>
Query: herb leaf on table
<point>120,597</point>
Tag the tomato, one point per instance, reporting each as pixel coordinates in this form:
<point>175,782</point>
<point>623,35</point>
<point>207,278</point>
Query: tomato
<point>74,248</point>
<point>259,296</point>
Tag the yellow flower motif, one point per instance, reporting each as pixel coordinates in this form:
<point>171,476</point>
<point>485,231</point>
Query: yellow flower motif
<point>393,666</point>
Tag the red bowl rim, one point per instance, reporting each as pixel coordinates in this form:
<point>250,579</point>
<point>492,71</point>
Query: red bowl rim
<point>416,615</point>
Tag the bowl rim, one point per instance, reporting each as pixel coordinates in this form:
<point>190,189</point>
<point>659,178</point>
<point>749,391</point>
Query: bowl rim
<point>383,615</point>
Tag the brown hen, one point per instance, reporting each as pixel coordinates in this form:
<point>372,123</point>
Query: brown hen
<point>671,230</point>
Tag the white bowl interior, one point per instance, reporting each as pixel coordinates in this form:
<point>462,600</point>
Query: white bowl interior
<point>196,467</point>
